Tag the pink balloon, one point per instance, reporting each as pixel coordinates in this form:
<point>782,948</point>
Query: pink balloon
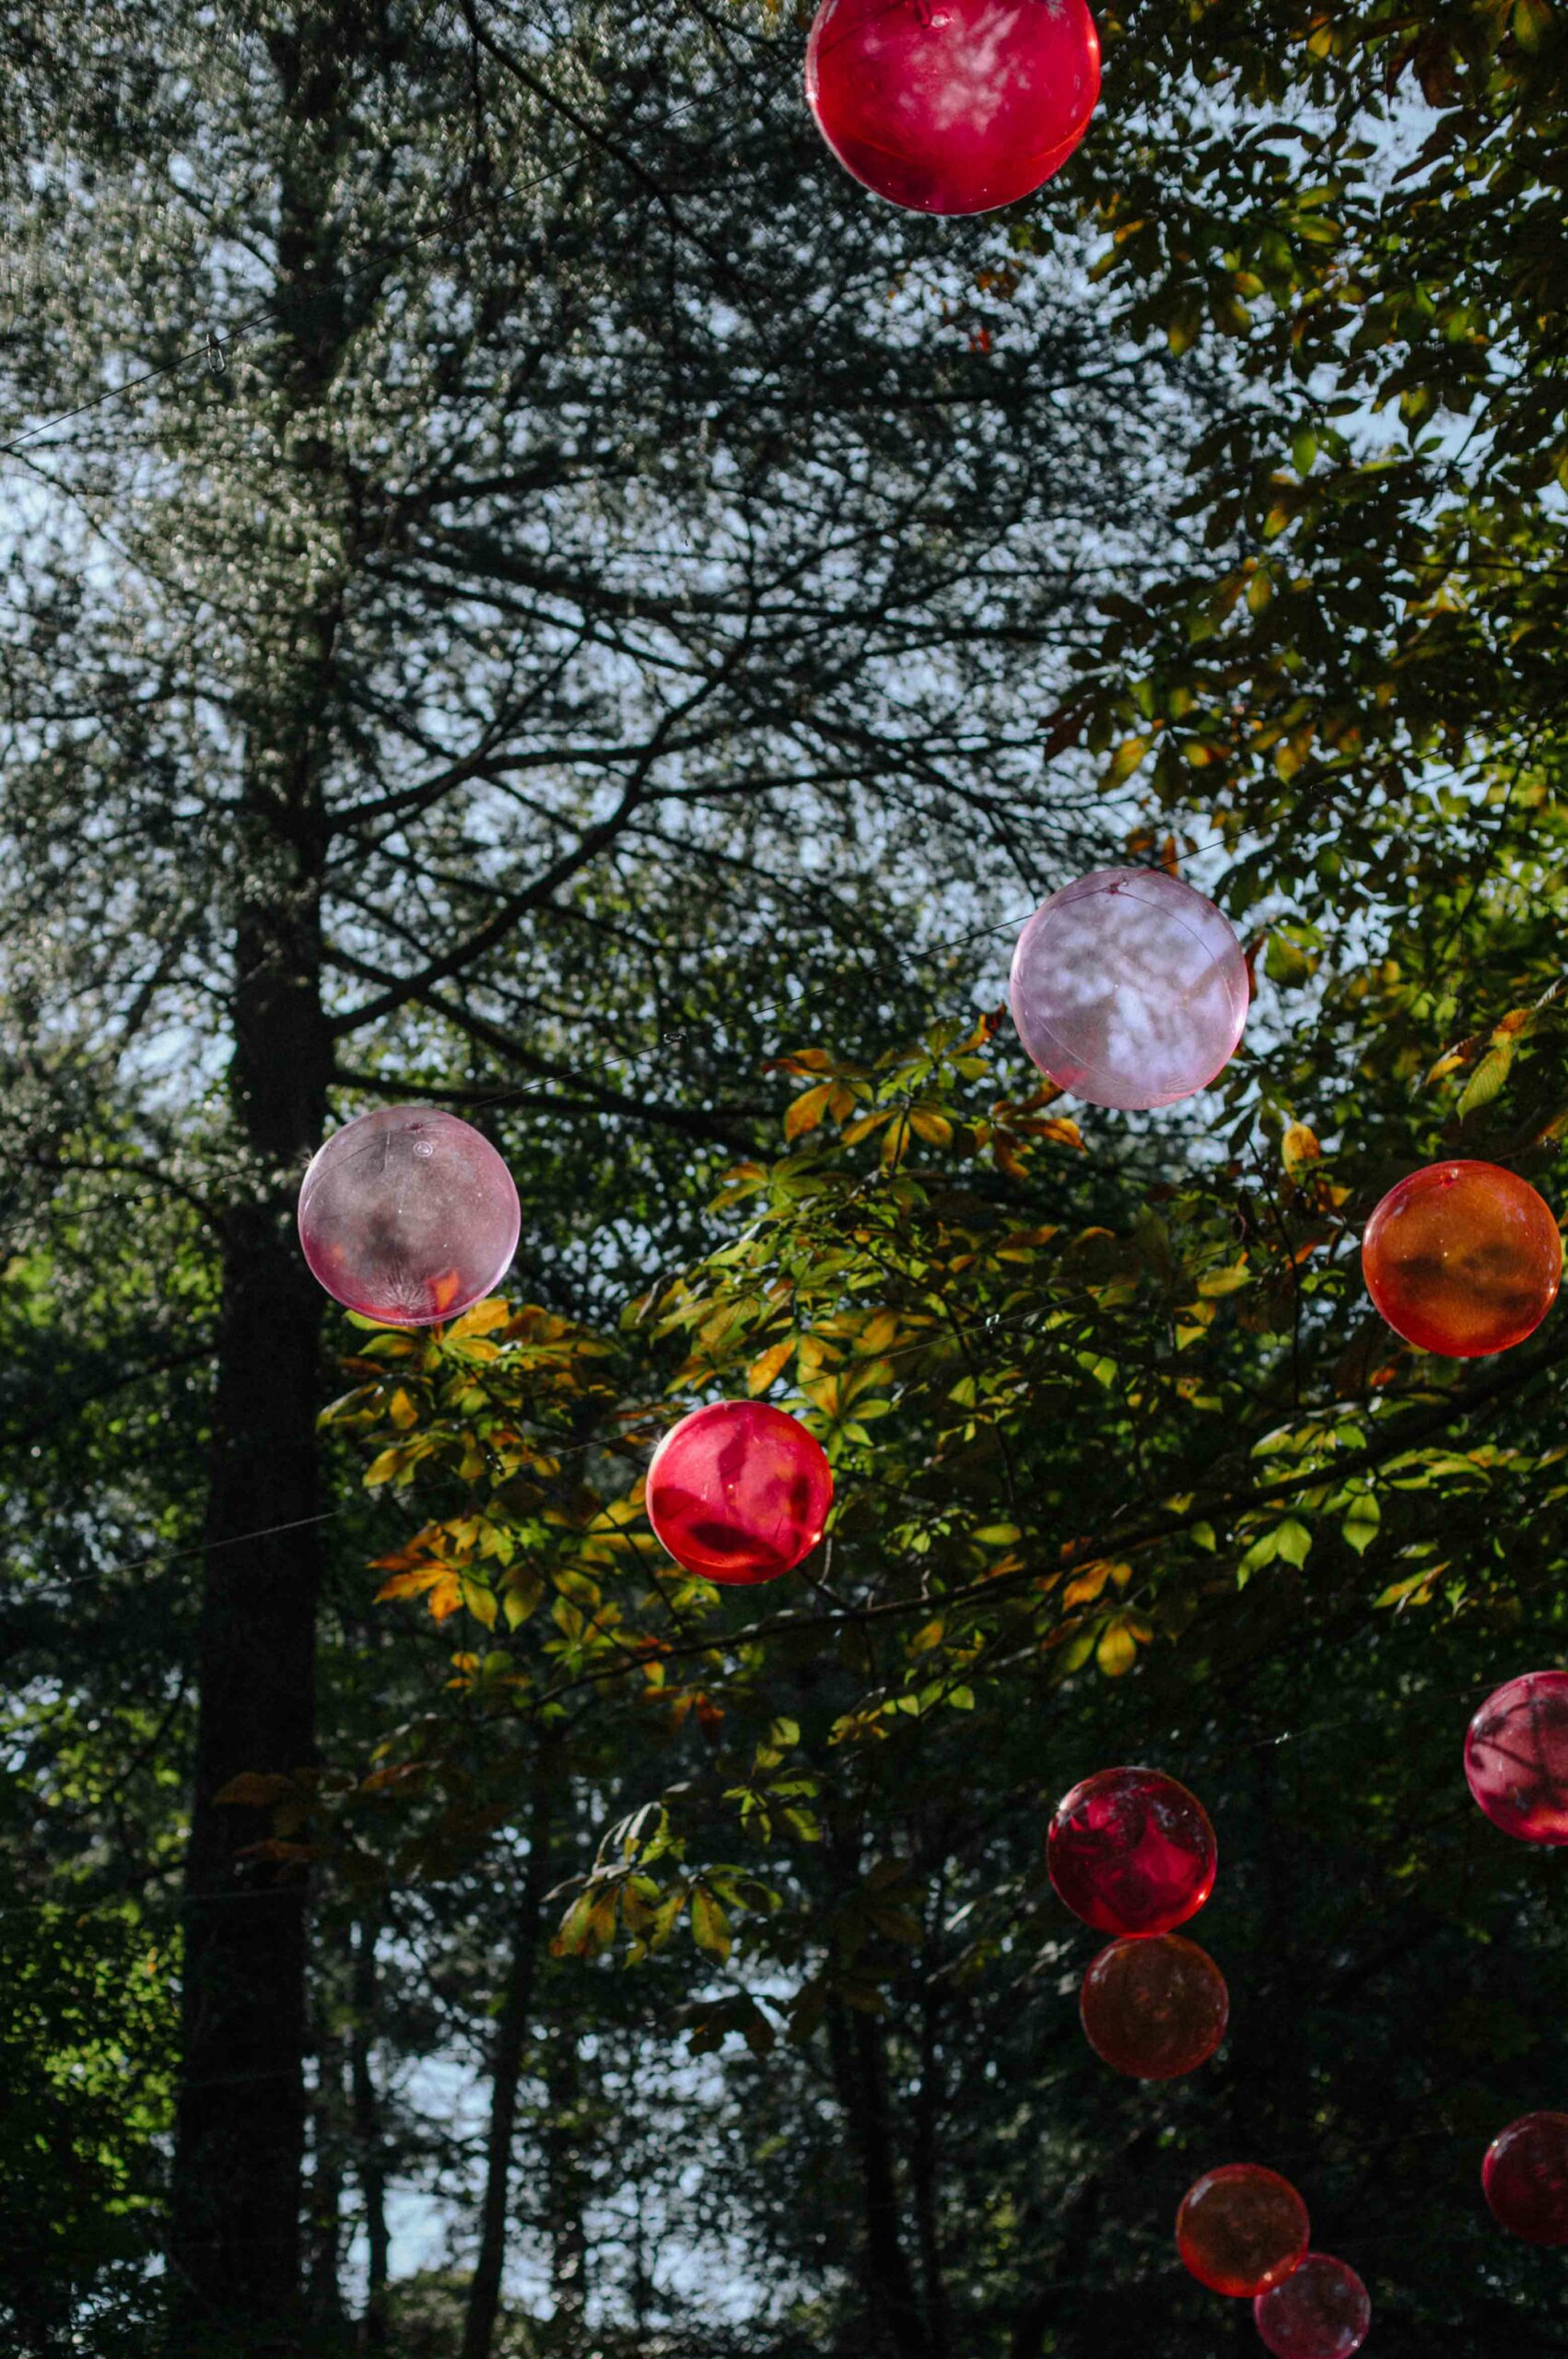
<point>408,1215</point>
<point>953,106</point>
<point>1517,1757</point>
<point>1525,2179</point>
<point>1129,989</point>
<point>1321,2311</point>
<point>739,1492</point>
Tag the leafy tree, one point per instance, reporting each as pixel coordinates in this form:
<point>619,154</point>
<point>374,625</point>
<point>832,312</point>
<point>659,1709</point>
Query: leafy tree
<point>444,686</point>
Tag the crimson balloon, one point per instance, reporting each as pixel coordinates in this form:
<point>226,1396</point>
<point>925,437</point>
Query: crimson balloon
<point>1241,2229</point>
<point>1131,1851</point>
<point>1516,1756</point>
<point>953,106</point>
<point>1462,1259</point>
<point>1321,2311</point>
<point>1129,989</point>
<point>739,1492</point>
<point>1524,2178</point>
<point>1154,2008</point>
<point>408,1215</point>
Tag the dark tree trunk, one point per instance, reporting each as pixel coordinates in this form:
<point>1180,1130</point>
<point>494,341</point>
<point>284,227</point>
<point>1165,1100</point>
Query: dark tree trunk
<point>511,2040</point>
<point>855,2048</point>
<point>236,2198</point>
<point>236,2179</point>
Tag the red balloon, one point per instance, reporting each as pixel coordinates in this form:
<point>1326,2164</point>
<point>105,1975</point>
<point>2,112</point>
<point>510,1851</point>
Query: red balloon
<point>1321,2311</point>
<point>953,106</point>
<point>1129,989</point>
<point>739,1492</point>
<point>1462,1259</point>
<point>408,1215</point>
<point>1154,2008</point>
<point>1524,2178</point>
<point>1241,2229</point>
<point>1517,1757</point>
<point>1130,1851</point>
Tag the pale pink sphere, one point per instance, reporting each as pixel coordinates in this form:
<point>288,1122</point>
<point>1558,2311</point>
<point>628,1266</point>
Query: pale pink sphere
<point>408,1215</point>
<point>953,106</point>
<point>1129,989</point>
<point>1516,1756</point>
<point>1321,2311</point>
<point>739,1492</point>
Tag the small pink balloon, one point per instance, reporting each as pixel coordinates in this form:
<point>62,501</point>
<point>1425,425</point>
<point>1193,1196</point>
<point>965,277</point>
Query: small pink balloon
<point>1131,1851</point>
<point>1129,989</point>
<point>1517,1757</point>
<point>408,1215</point>
<point>1524,2178</point>
<point>1321,2311</point>
<point>739,1492</point>
<point>953,106</point>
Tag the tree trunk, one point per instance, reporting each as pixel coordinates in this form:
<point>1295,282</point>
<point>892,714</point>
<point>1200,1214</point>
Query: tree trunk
<point>235,2240</point>
<point>237,2176</point>
<point>511,2040</point>
<point>855,2048</point>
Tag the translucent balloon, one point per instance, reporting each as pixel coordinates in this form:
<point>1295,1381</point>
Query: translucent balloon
<point>408,1215</point>
<point>1130,1851</point>
<point>1517,1757</point>
<point>1129,989</point>
<point>1524,2178</point>
<point>739,1492</point>
<point>1241,2229</point>
<point>1154,2008</point>
<point>1321,2311</point>
<point>1462,1259</point>
<point>953,106</point>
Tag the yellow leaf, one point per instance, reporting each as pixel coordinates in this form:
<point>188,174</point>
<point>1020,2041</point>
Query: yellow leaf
<point>806,1111</point>
<point>1087,1586</point>
<point>1225,1281</point>
<point>1125,760</point>
<point>402,1411</point>
<point>481,1602</point>
<point>1117,1649</point>
<point>1299,1146</point>
<point>412,1583</point>
<point>763,1368</point>
<point>493,1312</point>
<point>1060,1129</point>
<point>935,1129</point>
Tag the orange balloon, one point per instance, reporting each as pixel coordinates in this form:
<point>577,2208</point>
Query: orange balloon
<point>1462,1259</point>
<point>1241,2229</point>
<point>1154,2006</point>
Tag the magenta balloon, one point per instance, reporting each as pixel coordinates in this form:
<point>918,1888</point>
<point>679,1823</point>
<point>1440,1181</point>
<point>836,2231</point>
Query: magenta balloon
<point>1131,1851</point>
<point>1517,1757</point>
<point>1321,2311</point>
<point>1524,2178</point>
<point>1129,989</point>
<point>953,106</point>
<point>408,1215</point>
<point>739,1492</point>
